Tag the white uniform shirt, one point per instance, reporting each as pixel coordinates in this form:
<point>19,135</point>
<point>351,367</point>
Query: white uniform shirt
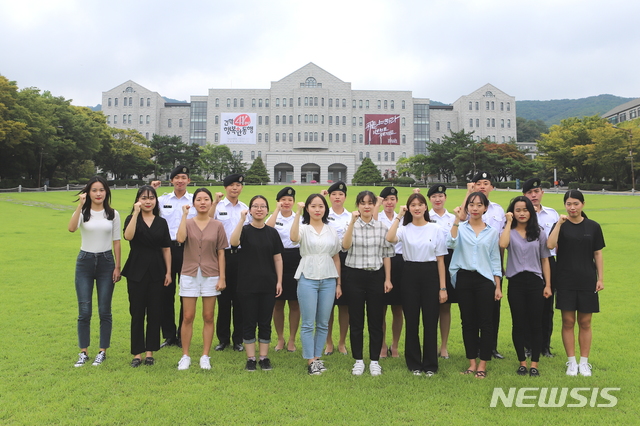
<point>445,221</point>
<point>382,217</point>
<point>339,222</point>
<point>495,217</point>
<point>422,243</point>
<point>546,218</point>
<point>283,226</point>
<point>171,210</point>
<point>229,215</point>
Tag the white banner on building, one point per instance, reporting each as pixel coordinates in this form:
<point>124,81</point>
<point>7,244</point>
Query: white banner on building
<point>237,128</point>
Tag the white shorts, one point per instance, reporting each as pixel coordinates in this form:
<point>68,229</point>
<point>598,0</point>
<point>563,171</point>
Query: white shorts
<point>198,286</point>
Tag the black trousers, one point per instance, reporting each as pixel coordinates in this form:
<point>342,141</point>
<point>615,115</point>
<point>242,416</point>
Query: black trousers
<point>229,303</point>
<point>257,312</point>
<point>420,292</point>
<point>365,287</point>
<point>145,299</point>
<point>527,303</point>
<point>476,296</point>
<point>547,314</point>
<point>168,320</point>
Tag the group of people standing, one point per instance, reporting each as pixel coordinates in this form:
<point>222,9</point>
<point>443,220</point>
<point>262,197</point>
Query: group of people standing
<point>312,256</point>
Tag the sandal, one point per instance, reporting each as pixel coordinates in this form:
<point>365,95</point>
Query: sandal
<point>481,374</point>
<point>468,372</point>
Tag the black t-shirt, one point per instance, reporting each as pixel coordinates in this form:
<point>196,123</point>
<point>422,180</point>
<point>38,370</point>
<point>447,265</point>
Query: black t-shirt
<point>575,267</point>
<point>146,249</point>
<point>257,271</point>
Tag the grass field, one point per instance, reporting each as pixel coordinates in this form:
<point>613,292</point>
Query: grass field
<point>38,312</point>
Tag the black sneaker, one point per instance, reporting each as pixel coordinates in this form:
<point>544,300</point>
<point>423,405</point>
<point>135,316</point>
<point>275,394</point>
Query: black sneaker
<point>522,371</point>
<point>313,369</point>
<point>265,364</point>
<point>82,359</point>
<point>251,365</point>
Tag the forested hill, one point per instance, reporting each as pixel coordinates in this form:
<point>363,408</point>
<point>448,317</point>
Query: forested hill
<point>551,112</point>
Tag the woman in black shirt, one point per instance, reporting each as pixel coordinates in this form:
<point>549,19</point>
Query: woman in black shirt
<point>148,268</point>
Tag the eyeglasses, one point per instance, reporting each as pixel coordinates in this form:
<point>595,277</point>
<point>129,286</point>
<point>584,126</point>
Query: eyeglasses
<point>259,207</point>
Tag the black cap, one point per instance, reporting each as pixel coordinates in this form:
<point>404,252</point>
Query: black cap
<point>389,190</point>
<point>338,186</point>
<point>236,177</point>
<point>481,176</point>
<point>287,191</point>
<point>437,189</point>
<point>180,170</point>
<point>530,184</point>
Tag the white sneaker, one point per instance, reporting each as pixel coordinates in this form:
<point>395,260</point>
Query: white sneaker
<point>205,362</point>
<point>585,369</point>
<point>375,369</point>
<point>572,368</point>
<point>417,372</point>
<point>82,359</point>
<point>358,369</point>
<point>184,362</point>
<point>320,365</point>
<point>100,358</point>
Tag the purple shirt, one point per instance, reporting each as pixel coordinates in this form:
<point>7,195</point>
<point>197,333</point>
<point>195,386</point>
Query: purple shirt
<point>525,255</point>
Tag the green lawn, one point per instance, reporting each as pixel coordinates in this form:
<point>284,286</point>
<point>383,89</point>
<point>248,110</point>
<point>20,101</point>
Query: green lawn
<point>38,313</point>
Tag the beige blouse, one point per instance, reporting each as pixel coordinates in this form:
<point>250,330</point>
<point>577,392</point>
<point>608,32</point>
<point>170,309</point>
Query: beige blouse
<point>201,248</point>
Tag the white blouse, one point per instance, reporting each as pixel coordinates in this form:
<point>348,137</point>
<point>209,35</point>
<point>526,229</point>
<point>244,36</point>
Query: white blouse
<point>99,233</point>
<point>422,243</point>
<point>317,251</point>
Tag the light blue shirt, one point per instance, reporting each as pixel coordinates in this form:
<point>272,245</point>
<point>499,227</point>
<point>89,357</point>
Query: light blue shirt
<point>480,254</point>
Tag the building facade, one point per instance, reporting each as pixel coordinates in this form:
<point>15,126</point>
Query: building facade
<point>310,125</point>
<point>627,111</point>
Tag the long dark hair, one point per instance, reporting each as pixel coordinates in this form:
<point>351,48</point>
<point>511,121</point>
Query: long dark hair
<point>577,195</point>
<point>86,207</point>
<point>205,190</point>
<point>532,229</point>
<point>306,218</point>
<point>151,190</point>
<point>483,199</point>
<point>408,217</point>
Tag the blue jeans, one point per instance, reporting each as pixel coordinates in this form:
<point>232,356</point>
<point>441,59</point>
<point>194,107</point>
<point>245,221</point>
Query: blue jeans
<point>316,302</point>
<point>98,267</point>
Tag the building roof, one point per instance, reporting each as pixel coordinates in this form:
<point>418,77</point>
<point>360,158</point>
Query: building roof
<point>625,106</point>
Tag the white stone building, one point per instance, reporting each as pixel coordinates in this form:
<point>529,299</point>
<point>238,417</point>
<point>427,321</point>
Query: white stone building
<point>312,125</point>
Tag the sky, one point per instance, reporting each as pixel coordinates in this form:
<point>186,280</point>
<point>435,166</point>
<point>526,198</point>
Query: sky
<point>438,49</point>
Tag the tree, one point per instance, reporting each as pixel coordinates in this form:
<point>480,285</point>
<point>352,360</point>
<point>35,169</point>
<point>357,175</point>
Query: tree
<point>12,132</point>
<point>126,154</point>
<point>167,153</point>
<point>506,161</point>
<point>417,165</point>
<point>257,173</point>
<point>367,173</point>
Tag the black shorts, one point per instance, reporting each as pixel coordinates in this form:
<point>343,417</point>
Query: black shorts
<point>290,262</point>
<point>343,269</point>
<point>583,301</point>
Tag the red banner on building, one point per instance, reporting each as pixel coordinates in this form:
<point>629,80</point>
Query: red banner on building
<point>382,129</point>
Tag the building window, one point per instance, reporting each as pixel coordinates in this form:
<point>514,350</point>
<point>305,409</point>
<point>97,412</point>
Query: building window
<point>386,156</point>
<point>124,118</point>
<point>368,156</point>
<point>344,120</point>
<point>277,119</point>
<point>471,122</point>
<point>290,137</point>
<point>130,101</point>
<point>277,102</point>
<point>501,106</point>
<point>291,119</point>
<point>310,82</point>
<point>306,119</point>
<point>284,137</point>
<point>240,155</point>
<point>337,103</point>
<point>392,104</point>
<point>360,138</point>
<point>344,138</point>
<point>299,136</point>
<point>241,102</point>
<point>315,101</point>
<point>259,120</point>
<point>360,121</point>
<point>488,122</point>
<point>322,119</point>
<point>493,104</point>
<point>508,106</point>
<point>337,137</point>
<point>330,120</point>
<point>299,119</point>
<point>115,102</point>
<point>331,102</point>
<point>379,156</point>
<point>330,137</point>
<point>148,118</point>
<point>315,136</point>
<point>146,135</point>
<point>253,155</point>
<point>344,103</point>
<point>361,156</point>
<point>487,105</point>
<point>216,138</point>
<point>470,106</point>
<point>315,118</point>
<point>393,156</point>
<point>284,102</point>
<point>306,136</point>
<point>437,125</point>
<point>291,101</point>
<point>379,104</point>
<point>477,106</point>
<point>403,104</point>
<point>253,102</point>
<point>360,103</point>
<point>277,137</point>
<point>509,123</point>
<point>404,138</point>
<point>141,119</point>
<point>448,125</point>
<point>306,101</point>
<point>353,103</point>
<point>259,154</point>
<point>366,104</point>
<point>109,102</point>
<point>266,138</point>
<point>503,140</point>
<point>169,124</point>
<point>353,138</point>
<point>141,102</point>
<point>477,122</point>
<point>299,100</point>
<point>266,103</point>
<point>235,102</point>
<point>353,121</point>
<point>228,102</point>
<point>115,119</point>
<point>493,122</point>
<point>180,122</point>
<point>322,137</point>
<point>217,102</point>
<point>284,119</point>
<point>266,120</point>
<point>502,123</point>
<point>259,103</point>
